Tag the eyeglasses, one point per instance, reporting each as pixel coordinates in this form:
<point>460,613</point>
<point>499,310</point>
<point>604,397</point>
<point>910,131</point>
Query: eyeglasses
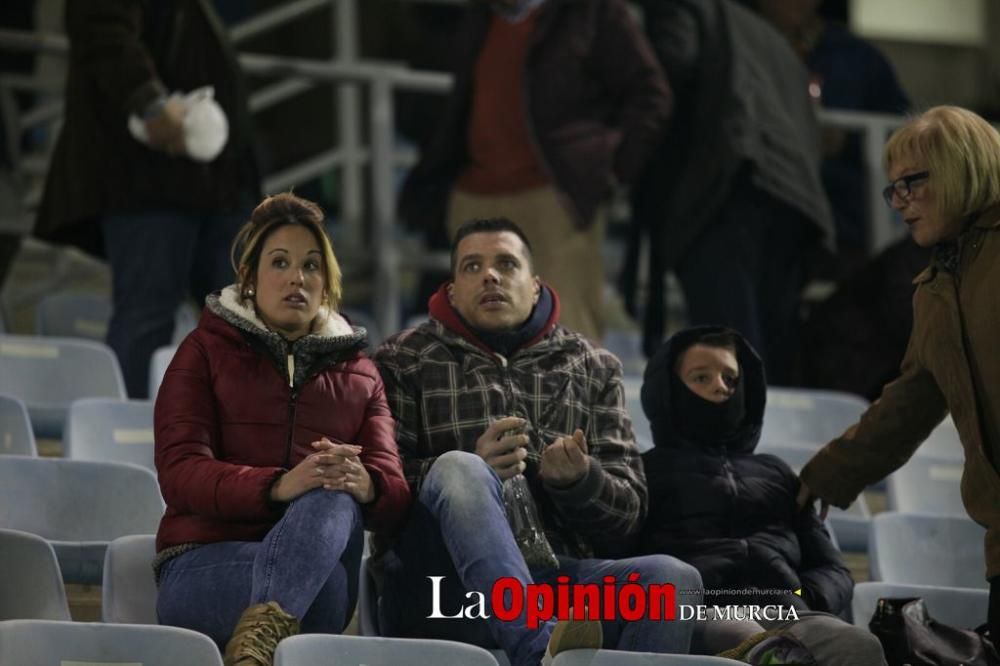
<point>903,187</point>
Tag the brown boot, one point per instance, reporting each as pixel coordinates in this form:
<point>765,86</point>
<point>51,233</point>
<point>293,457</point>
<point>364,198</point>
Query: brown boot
<point>257,634</point>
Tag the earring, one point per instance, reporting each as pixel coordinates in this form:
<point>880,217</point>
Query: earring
<point>250,292</point>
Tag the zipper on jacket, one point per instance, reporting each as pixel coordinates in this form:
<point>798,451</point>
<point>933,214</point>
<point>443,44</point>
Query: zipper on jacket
<point>728,469</point>
<point>293,397</point>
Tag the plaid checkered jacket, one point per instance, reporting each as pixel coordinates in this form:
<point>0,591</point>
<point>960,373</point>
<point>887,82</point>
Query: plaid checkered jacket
<point>445,391</point>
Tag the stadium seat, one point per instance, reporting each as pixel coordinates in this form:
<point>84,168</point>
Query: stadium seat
<point>16,437</point>
<point>158,365</point>
<point>68,314</point>
<point>46,642</point>
<point>959,607</point>
<point>325,649</point>
<point>627,346</point>
<point>30,579</point>
<point>110,431</point>
<point>927,549</point>
<point>128,593</point>
<point>86,315</point>
<point>808,416</point>
<point>359,318</point>
<point>927,485</point>
<point>78,506</point>
<point>367,603</point>
<point>50,373</point>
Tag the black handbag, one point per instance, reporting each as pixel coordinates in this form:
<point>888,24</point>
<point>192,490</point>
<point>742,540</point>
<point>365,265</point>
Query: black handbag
<point>910,636</point>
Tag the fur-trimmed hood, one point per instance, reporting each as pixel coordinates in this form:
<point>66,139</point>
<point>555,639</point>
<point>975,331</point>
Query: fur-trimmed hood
<point>334,340</point>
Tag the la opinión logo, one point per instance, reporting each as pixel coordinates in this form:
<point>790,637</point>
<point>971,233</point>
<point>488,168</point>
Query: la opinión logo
<point>540,602</point>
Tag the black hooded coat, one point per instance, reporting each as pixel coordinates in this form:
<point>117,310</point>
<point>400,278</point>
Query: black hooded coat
<point>729,512</point>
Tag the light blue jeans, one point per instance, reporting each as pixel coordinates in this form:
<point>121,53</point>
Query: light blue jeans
<point>308,563</point>
<point>458,529</point>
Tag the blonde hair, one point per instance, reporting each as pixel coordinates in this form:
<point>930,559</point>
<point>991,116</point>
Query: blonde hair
<point>962,154</point>
<point>270,215</point>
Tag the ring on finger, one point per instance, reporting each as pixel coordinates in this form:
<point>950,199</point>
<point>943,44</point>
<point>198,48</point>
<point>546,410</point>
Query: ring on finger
<point>320,471</point>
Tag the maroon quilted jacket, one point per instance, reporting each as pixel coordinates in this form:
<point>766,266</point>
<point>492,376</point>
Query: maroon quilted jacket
<point>229,419</point>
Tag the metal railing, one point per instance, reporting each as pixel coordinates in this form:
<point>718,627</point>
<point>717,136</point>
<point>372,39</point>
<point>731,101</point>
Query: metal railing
<point>381,80</point>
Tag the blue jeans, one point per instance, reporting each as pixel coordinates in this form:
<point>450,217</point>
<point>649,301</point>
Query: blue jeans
<point>158,259</point>
<point>308,563</point>
<point>458,529</point>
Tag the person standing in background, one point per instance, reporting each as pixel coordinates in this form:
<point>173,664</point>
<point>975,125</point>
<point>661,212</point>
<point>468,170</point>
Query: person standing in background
<point>163,220</point>
<point>732,200</point>
<point>555,102</point>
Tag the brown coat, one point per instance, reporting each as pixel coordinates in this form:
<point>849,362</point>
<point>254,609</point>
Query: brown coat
<point>952,364</point>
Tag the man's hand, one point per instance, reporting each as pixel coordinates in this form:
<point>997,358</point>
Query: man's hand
<point>166,130</point>
<point>502,451</point>
<point>806,498</point>
<point>565,461</point>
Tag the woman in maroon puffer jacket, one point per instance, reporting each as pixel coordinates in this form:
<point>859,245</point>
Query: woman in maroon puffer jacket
<point>275,448</point>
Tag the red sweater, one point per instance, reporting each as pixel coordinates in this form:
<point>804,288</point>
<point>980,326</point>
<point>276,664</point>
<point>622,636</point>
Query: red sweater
<point>502,154</point>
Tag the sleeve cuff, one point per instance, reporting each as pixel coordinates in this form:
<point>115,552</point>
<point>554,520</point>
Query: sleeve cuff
<point>586,489</point>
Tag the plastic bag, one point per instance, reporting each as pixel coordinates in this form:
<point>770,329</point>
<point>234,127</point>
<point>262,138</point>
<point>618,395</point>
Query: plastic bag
<point>522,514</point>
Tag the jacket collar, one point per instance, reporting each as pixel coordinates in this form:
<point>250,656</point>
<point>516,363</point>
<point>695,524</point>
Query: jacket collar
<point>988,220</point>
<point>237,312</point>
<point>441,310</point>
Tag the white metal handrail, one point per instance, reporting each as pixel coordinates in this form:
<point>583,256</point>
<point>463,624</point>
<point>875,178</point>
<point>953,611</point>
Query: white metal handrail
<point>382,80</point>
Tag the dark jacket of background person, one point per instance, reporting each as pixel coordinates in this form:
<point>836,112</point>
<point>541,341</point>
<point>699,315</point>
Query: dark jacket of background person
<point>742,110</point>
<point>951,365</point>
<point>597,101</point>
<point>729,512</point>
<point>123,54</point>
<point>445,388</point>
<point>229,420</point>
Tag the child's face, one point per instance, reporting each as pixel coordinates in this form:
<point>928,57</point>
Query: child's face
<point>710,372</point>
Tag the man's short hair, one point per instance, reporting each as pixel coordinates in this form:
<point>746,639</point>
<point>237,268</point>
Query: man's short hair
<point>487,225</point>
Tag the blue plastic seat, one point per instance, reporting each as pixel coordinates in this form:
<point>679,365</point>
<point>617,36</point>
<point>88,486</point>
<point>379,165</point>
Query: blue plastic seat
<point>927,485</point>
<point>78,506</point>
<point>325,649</point>
<point>73,315</point>
<point>110,431</point>
<point>959,607</point>
<point>30,579</point>
<point>48,642</point>
<point>927,549</point>
<point>619,658</point>
<point>640,424</point>
<point>87,315</point>
<point>16,437</point>
<point>158,365</point>
<point>48,374</point>
<point>366,321</point>
<point>128,592</point>
<point>808,416</point>
<point>943,443</point>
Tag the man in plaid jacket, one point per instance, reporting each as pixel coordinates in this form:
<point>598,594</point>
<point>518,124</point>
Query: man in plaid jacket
<point>489,388</point>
